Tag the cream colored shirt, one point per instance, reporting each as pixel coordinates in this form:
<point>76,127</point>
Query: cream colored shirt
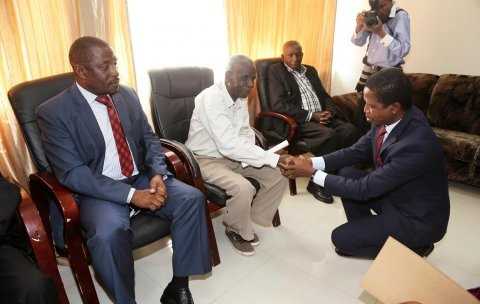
<point>220,127</point>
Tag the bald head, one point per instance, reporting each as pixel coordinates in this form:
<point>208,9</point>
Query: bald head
<point>292,54</point>
<point>81,49</point>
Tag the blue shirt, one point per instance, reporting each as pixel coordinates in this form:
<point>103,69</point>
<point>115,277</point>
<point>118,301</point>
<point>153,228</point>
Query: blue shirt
<point>390,50</point>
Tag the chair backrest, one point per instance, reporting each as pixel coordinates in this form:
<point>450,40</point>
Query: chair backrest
<point>262,66</point>
<point>172,98</point>
<point>25,98</point>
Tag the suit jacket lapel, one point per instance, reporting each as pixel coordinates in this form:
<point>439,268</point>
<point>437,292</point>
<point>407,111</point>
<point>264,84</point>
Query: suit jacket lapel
<point>398,130</point>
<point>291,83</point>
<point>87,116</point>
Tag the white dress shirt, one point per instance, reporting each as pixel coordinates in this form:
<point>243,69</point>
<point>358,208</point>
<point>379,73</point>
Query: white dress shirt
<point>111,163</point>
<point>220,127</point>
<point>318,163</point>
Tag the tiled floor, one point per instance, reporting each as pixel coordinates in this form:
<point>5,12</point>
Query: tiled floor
<point>295,263</point>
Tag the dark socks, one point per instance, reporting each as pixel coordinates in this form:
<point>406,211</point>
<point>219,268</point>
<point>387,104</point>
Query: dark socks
<point>179,282</point>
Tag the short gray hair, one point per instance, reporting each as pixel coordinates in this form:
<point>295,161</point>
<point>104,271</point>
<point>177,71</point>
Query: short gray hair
<point>238,59</point>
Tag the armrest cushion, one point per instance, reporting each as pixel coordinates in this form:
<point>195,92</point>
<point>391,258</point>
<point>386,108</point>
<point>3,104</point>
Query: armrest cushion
<point>347,105</point>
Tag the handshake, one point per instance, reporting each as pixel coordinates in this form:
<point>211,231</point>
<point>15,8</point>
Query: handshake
<point>295,166</point>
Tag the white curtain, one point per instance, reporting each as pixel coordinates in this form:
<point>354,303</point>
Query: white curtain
<point>176,33</point>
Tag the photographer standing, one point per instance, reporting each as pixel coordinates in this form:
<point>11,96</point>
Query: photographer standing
<point>386,27</point>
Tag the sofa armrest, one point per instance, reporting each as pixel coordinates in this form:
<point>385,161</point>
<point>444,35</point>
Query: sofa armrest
<point>347,105</point>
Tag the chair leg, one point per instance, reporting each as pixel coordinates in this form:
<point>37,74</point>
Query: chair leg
<point>276,219</point>
<point>293,186</point>
<point>212,239</point>
<point>80,270</point>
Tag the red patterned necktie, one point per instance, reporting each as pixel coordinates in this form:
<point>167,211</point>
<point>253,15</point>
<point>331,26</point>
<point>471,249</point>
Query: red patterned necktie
<point>124,155</point>
<point>378,145</point>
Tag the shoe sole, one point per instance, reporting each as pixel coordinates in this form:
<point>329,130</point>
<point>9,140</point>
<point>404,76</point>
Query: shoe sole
<point>239,251</point>
<point>243,252</point>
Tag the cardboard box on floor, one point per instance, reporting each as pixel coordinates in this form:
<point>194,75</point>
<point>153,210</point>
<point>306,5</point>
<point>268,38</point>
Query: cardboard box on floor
<point>398,275</point>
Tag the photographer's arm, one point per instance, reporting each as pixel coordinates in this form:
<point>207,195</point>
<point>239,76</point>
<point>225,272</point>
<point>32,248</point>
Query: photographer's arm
<point>360,36</point>
<point>398,43</point>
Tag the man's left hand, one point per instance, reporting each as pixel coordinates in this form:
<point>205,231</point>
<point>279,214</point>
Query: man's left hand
<point>157,186</point>
<point>377,29</point>
<point>298,166</point>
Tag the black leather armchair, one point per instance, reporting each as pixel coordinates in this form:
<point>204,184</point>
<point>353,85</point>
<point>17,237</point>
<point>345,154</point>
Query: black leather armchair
<point>45,188</point>
<point>267,117</point>
<point>172,102</point>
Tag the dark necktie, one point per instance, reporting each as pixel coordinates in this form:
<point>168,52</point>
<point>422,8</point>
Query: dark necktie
<point>124,155</point>
<point>378,145</point>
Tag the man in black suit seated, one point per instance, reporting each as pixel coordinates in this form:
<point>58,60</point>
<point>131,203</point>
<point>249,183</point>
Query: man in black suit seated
<point>20,279</point>
<point>296,90</point>
<point>408,187</point>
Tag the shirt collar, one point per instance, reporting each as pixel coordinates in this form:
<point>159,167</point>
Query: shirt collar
<point>389,128</point>
<point>303,69</point>
<point>89,96</point>
<point>393,11</point>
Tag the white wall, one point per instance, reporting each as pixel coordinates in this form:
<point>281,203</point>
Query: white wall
<point>445,39</point>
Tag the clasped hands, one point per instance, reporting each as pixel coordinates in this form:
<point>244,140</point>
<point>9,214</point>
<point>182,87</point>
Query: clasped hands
<point>152,198</point>
<point>322,117</point>
<point>298,166</point>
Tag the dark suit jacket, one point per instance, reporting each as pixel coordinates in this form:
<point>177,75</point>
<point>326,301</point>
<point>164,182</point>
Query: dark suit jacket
<point>284,93</point>
<point>11,231</point>
<point>75,147</point>
<point>412,183</point>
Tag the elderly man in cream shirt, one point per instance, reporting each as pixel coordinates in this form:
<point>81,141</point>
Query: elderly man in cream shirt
<point>222,139</point>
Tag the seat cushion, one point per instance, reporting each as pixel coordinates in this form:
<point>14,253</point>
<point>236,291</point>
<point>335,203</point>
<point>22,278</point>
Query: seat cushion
<point>455,104</point>
<point>147,228</point>
<point>218,196</point>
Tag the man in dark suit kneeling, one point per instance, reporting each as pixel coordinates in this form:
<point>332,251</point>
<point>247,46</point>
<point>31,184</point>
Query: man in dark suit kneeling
<point>408,187</point>
<point>296,90</point>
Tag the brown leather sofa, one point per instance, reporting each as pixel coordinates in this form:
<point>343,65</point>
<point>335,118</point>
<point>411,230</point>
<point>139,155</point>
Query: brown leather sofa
<point>451,103</point>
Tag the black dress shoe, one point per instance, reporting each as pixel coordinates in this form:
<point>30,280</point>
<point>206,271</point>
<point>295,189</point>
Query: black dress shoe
<point>319,193</point>
<point>348,255</point>
<point>343,254</point>
<point>424,251</point>
<point>176,296</point>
